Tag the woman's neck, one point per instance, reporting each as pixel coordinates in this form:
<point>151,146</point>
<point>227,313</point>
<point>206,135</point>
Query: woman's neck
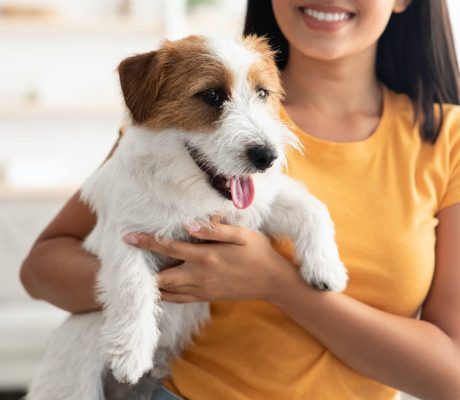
<point>322,95</point>
<point>339,87</point>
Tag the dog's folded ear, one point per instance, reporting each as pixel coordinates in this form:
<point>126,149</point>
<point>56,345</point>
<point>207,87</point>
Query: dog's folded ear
<point>140,79</point>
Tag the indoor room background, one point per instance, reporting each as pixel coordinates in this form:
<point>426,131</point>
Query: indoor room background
<point>60,110</point>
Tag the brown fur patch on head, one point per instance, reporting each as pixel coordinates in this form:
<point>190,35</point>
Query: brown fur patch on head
<point>172,79</point>
<point>264,74</point>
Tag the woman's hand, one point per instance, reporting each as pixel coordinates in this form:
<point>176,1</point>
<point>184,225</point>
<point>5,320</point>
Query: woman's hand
<point>240,264</point>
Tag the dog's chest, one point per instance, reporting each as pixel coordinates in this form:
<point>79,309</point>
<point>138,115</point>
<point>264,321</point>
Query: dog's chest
<point>129,205</point>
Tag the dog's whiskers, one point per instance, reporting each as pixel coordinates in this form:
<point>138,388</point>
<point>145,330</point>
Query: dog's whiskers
<point>192,183</point>
<point>195,179</point>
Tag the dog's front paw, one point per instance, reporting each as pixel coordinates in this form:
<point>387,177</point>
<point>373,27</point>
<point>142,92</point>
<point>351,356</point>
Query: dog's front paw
<point>325,273</point>
<point>129,367</point>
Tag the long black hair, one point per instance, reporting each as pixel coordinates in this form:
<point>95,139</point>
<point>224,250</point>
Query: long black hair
<point>415,56</point>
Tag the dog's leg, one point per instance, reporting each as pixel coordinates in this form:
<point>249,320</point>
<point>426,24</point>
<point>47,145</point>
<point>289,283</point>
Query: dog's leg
<point>72,367</point>
<point>295,213</point>
<point>178,323</point>
<point>131,310</point>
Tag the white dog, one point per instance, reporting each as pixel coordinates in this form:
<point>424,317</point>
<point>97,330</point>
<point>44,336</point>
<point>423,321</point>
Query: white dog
<point>205,139</point>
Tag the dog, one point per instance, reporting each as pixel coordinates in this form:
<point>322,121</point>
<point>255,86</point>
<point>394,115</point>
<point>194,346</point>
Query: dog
<point>205,139</point>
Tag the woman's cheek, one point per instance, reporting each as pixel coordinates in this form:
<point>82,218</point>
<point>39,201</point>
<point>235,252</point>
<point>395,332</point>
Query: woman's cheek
<point>371,23</point>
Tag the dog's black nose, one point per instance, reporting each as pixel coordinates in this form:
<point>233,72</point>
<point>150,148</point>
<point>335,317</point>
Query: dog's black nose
<point>262,156</point>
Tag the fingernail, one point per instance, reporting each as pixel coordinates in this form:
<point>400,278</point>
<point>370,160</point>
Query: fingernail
<point>193,227</point>
<point>131,239</point>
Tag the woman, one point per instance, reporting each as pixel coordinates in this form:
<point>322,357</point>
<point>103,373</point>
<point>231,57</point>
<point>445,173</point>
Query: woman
<point>388,167</point>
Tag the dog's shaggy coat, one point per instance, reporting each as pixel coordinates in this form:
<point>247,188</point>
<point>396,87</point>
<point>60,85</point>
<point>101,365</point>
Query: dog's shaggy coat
<point>205,139</point>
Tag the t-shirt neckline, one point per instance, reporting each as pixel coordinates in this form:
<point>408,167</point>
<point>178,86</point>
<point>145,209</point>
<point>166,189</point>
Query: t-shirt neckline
<point>314,146</point>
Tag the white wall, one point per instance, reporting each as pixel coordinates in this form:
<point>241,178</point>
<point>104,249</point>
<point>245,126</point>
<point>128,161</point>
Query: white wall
<point>454,8</point>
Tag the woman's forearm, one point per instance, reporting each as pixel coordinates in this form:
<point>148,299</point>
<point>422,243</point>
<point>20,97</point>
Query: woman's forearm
<point>59,271</point>
<point>411,355</point>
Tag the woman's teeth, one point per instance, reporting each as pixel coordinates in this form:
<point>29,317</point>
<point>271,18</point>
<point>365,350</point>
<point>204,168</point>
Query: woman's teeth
<point>325,16</point>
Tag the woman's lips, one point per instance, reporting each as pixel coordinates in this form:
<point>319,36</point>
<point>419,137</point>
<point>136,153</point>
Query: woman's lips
<point>324,17</point>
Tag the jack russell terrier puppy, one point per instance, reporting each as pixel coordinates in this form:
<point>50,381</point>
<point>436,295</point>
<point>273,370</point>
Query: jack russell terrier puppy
<point>205,139</point>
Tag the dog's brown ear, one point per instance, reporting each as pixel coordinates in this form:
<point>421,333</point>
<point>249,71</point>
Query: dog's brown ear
<point>140,79</point>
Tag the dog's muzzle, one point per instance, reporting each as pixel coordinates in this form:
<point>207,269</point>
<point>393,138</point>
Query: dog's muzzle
<point>239,189</point>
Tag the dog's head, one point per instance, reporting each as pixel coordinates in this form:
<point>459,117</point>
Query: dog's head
<point>223,96</point>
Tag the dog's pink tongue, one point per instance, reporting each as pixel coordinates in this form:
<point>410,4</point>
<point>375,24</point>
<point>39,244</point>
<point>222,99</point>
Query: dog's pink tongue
<point>242,190</point>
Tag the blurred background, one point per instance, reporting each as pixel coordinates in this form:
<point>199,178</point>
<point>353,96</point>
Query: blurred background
<point>60,109</point>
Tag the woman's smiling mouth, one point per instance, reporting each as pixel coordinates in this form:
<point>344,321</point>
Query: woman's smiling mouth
<point>324,17</point>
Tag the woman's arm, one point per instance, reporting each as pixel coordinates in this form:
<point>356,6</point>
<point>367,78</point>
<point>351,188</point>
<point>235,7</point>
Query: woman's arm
<point>421,357</point>
<point>57,269</point>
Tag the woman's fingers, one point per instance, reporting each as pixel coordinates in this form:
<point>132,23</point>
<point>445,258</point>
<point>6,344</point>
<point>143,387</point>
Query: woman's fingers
<point>176,278</point>
<point>171,248</point>
<point>219,232</point>
<point>179,285</point>
<point>178,297</point>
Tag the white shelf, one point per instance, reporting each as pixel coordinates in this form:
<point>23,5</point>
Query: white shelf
<point>61,193</point>
<point>101,26</point>
<point>61,112</point>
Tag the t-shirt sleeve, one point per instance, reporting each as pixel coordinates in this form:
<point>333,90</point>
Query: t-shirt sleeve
<point>452,193</point>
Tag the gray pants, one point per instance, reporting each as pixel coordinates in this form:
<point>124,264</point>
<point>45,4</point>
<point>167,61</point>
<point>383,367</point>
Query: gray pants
<point>164,394</point>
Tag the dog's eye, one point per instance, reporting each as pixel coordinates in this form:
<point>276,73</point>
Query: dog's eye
<point>262,93</point>
<point>213,97</point>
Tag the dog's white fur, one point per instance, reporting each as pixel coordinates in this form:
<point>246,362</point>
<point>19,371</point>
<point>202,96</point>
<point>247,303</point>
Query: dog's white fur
<point>151,184</point>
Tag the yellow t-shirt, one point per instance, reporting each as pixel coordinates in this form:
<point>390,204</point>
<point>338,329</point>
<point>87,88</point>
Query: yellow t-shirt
<point>383,194</point>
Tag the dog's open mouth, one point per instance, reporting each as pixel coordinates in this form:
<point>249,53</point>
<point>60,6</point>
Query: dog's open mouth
<point>238,189</point>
